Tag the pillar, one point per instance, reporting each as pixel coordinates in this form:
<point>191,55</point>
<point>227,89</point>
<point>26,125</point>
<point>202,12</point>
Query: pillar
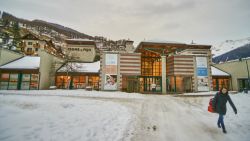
<point>163,74</point>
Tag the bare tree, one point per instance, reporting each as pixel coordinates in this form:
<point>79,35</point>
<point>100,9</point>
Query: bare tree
<point>69,64</point>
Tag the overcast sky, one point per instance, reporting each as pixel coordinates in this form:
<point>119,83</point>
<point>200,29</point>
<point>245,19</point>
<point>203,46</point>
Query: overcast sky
<point>204,21</point>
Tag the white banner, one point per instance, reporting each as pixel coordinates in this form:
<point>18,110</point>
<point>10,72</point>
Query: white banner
<point>201,62</point>
<point>202,73</point>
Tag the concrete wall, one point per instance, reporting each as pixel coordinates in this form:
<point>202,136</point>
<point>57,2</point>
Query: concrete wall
<point>7,56</point>
<point>237,69</point>
<point>48,66</point>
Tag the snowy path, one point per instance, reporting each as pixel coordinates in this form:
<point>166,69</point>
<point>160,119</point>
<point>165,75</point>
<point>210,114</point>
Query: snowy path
<point>178,119</point>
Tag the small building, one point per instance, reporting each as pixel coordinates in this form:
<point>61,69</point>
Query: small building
<point>220,79</point>
<point>29,72</point>
<point>239,71</point>
<point>21,74</point>
<point>31,45</point>
<point>76,75</point>
<point>80,50</point>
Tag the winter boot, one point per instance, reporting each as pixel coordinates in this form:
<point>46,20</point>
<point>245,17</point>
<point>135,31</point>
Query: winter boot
<point>224,131</point>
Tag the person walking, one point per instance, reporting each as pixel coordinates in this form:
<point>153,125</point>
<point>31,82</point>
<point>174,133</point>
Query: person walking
<point>221,99</point>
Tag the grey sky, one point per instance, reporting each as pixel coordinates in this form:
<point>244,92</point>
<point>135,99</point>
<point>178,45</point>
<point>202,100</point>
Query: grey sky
<point>204,21</point>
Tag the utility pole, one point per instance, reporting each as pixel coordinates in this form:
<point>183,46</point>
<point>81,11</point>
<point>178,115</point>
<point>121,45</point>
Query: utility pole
<point>248,86</point>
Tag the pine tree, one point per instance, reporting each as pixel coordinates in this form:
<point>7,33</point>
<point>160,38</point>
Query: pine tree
<point>16,33</point>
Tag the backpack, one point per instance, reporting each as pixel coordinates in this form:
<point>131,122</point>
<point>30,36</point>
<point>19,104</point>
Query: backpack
<point>212,105</point>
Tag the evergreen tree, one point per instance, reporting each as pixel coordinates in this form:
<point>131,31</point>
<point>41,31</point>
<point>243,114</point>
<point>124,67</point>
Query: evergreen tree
<point>6,23</point>
<point>16,33</point>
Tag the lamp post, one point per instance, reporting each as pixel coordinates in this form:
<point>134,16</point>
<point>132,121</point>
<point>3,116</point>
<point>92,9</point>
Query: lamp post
<point>248,80</point>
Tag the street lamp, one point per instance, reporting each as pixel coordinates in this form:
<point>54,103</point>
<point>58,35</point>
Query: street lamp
<point>248,82</point>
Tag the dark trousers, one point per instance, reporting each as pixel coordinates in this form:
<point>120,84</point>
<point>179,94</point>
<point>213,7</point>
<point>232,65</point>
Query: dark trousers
<point>220,122</point>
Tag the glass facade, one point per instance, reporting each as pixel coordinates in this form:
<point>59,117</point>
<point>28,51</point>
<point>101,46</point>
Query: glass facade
<point>77,82</point>
<point>19,81</point>
<point>151,77</point>
<point>221,82</point>
<point>150,64</point>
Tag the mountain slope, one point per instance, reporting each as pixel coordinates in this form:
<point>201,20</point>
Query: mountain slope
<point>70,33</point>
<point>228,45</point>
<point>240,52</point>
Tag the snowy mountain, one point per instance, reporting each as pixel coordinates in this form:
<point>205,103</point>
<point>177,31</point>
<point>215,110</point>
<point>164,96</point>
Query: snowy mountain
<point>228,45</point>
<point>235,54</point>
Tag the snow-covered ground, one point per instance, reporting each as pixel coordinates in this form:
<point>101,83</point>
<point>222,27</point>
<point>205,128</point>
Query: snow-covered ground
<point>75,93</point>
<point>43,118</point>
<point>91,115</point>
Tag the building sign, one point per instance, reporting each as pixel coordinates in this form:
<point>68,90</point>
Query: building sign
<point>110,72</point>
<point>80,49</point>
<point>202,73</point>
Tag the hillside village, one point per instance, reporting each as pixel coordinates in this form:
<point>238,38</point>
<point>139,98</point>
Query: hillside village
<point>16,32</point>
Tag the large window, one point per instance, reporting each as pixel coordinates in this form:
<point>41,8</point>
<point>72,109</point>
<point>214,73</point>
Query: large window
<point>243,84</point>
<point>4,81</point>
<point>94,81</point>
<point>62,82</point>
<point>25,82</point>
<point>34,81</point>
<point>13,81</point>
<point>220,82</point>
<point>79,82</point>
<point>150,64</point>
<point>19,81</point>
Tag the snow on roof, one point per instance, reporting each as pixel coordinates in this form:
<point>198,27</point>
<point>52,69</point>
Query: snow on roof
<point>79,40</point>
<point>26,62</point>
<point>218,72</point>
<point>82,67</point>
<point>162,41</point>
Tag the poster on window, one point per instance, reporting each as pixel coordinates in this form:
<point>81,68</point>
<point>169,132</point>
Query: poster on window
<point>202,73</point>
<point>110,82</point>
<point>202,83</point>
